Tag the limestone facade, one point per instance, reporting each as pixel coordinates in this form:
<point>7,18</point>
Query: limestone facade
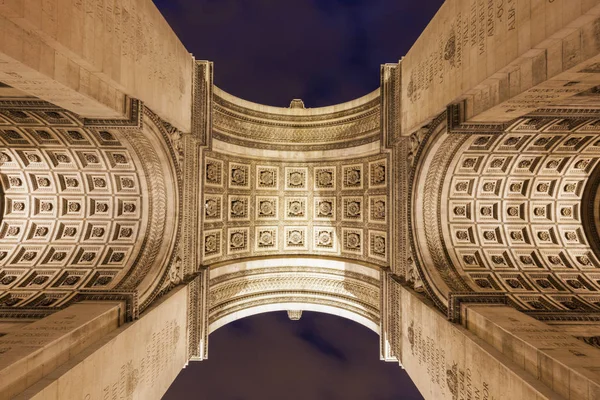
<point>454,211</point>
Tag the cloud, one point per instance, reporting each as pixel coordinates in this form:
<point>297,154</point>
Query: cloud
<point>322,345</point>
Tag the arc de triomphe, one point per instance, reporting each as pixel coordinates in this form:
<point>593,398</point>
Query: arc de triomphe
<point>454,211</point>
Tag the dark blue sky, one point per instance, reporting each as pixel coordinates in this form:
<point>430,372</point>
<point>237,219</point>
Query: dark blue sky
<point>269,357</point>
<point>324,52</point>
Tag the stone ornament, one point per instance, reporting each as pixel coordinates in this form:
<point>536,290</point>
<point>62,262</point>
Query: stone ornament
<point>352,209</point>
<point>106,136</point>
<point>46,206</point>
<point>325,209</point>
<point>237,241</point>
<point>103,280</point>
<point>71,280</point>
<point>212,244</point>
<point>41,231</point>
<point>295,208</point>
<point>213,172</point>
<point>43,182</point>
<point>267,208</point>
<point>43,136</point>
<point>71,182</point>
<point>69,231</point>
<point>125,232</point>
<point>498,163</point>
<point>75,135</point>
<point>352,176</point>
<point>213,207</point>
<point>62,158</point>
<point>91,158</point>
<point>29,256</point>
<point>378,209</point>
<point>267,178</point>
<point>378,245</point>
<point>463,187</point>
<point>18,206</point>
<point>512,142</point>
<point>239,208</point>
<point>295,238</point>
<point>13,231</point>
<point>6,280</point>
<point>325,178</point>
<point>325,239</point>
<point>239,176</point>
<point>296,178</point>
<point>352,240</point>
<point>318,202</point>
<point>127,183</point>
<point>33,158</point>
<point>526,164</point>
<point>266,238</point>
<point>78,190</point>
<point>378,174</point>
<point>98,182</point>
<point>5,158</point>
<point>128,207</point>
<point>15,181</point>
<point>119,158</point>
<point>58,256</point>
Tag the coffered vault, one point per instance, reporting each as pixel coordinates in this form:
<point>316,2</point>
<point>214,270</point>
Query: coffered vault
<point>454,210</point>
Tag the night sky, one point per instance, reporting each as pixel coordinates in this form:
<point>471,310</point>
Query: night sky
<point>324,52</point>
<point>269,357</point>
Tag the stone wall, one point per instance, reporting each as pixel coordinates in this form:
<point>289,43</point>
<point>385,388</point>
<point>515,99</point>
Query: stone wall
<point>86,56</point>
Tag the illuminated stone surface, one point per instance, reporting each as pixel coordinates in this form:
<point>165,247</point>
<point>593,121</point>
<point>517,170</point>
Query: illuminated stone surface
<point>454,211</point>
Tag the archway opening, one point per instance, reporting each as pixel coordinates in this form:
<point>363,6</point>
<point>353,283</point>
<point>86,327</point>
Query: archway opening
<point>269,356</point>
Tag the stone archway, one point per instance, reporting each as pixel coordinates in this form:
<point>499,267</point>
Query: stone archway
<point>506,213</point>
<point>90,207</point>
<point>245,288</point>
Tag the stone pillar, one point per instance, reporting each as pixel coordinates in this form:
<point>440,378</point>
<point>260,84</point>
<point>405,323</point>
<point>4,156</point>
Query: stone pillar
<point>567,365</point>
<point>35,350</point>
<point>139,360</point>
<point>87,57</point>
<point>447,361</point>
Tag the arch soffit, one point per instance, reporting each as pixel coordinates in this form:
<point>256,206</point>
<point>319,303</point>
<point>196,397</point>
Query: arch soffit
<point>435,152</point>
<point>120,226</point>
<point>534,172</point>
<point>238,123</point>
<point>341,288</point>
<point>152,145</point>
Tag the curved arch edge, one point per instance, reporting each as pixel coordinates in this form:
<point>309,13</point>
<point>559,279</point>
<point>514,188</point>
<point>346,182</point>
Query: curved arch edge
<point>248,312</point>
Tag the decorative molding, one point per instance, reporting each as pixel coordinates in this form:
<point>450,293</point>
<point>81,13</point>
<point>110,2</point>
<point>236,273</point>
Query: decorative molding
<point>173,272</point>
<point>351,291</point>
<point>202,102</point>
<point>241,125</point>
<point>456,122</point>
<point>133,119</point>
<point>419,140</point>
<point>300,203</point>
<point>390,336</point>
<point>197,315</point>
<point>455,300</point>
<point>513,225</point>
<point>391,86</point>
